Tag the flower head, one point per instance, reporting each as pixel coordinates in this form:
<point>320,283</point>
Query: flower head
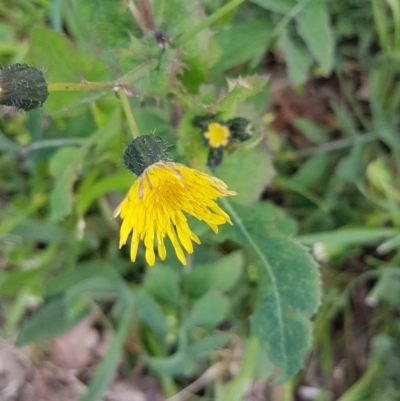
<point>22,86</point>
<point>164,193</point>
<point>218,135</point>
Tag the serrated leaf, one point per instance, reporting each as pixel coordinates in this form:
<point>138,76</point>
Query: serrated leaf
<point>314,27</point>
<point>288,295</point>
<point>208,311</point>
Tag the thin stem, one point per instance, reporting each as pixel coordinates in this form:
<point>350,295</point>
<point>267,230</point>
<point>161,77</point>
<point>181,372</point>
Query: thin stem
<point>206,22</point>
<point>128,113</point>
<point>328,147</point>
<point>95,86</point>
<point>49,143</point>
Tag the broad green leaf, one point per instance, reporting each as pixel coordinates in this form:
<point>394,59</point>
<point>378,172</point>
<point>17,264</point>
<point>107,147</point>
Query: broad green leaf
<point>150,312</point>
<point>162,283</point>
<point>63,63</point>
<point>221,275</point>
<point>298,61</point>
<point>52,318</point>
<point>387,288</point>
<point>82,274</point>
<point>241,43</point>
<point>265,217</point>
<point>315,29</point>
<point>288,294</point>
<point>36,230</point>
<point>248,172</point>
<point>11,283</point>
<point>208,311</point>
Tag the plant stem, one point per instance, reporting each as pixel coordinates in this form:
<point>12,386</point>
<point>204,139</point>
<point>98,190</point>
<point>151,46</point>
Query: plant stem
<point>128,113</point>
<point>94,86</point>
<point>206,22</point>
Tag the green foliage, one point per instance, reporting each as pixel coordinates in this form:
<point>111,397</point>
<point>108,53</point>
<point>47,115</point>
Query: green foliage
<point>320,170</point>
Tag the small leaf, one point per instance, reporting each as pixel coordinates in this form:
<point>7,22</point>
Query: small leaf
<point>221,275</point>
<point>209,344</point>
<point>314,27</point>
<point>150,312</point>
<point>208,311</point>
<point>298,61</point>
<point>162,283</point>
<point>241,43</point>
<point>282,6</point>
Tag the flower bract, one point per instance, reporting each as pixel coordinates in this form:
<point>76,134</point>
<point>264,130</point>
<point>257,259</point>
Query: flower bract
<point>158,203</point>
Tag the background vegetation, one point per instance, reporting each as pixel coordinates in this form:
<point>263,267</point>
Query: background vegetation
<point>319,82</point>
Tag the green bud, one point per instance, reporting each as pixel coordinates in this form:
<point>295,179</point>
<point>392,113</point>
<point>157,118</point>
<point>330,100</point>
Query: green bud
<point>22,86</point>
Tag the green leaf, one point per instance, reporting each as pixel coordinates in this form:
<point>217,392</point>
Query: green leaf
<point>350,167</point>
<point>209,344</point>
<point>264,217</point>
<point>314,27</point>
<point>298,61</point>
<point>311,130</point>
<point>150,312</point>
<point>162,283</point>
<point>208,311</point>
<point>248,172</point>
<point>221,275</point>
<point>7,145</point>
<point>121,180</point>
<point>82,274</point>
<point>36,230</point>
<point>281,6</point>
<point>65,165</point>
<point>312,171</point>
<point>53,318</point>
<point>238,90</point>
<point>63,63</point>
<point>241,43</point>
<point>288,294</point>
<point>178,364</point>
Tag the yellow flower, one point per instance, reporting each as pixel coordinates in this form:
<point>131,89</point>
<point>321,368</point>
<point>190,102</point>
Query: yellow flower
<point>157,203</point>
<point>217,135</point>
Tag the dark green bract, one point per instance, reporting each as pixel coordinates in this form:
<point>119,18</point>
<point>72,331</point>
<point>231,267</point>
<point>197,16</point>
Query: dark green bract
<point>144,151</point>
<point>23,87</point>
